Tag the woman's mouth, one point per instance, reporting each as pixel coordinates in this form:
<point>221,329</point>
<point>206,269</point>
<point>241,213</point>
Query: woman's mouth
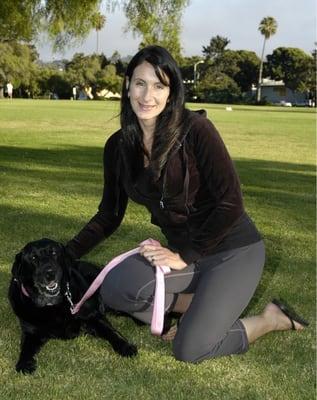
<point>144,107</point>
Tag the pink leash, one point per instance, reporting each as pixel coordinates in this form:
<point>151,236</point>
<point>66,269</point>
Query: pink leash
<point>157,322</point>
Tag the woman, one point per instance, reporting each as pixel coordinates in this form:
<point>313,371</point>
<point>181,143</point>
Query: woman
<point>174,162</point>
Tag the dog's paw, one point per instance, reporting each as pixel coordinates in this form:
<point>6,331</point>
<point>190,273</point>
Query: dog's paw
<point>26,367</point>
<point>127,350</point>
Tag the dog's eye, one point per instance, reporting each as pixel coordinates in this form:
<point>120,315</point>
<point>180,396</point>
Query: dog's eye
<point>33,258</point>
<point>53,253</point>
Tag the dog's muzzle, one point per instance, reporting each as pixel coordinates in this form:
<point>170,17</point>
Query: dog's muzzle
<point>48,282</point>
<point>50,290</point>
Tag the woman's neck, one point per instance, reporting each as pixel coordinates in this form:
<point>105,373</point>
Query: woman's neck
<point>148,128</point>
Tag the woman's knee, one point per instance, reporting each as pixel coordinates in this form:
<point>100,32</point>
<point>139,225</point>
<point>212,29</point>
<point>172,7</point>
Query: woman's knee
<point>127,285</point>
<point>194,352</point>
<point>186,347</point>
<point>185,353</point>
<point>194,347</point>
<point>110,294</point>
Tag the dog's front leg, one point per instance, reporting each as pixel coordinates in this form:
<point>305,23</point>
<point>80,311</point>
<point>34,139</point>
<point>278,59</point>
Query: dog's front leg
<point>103,329</point>
<point>30,346</point>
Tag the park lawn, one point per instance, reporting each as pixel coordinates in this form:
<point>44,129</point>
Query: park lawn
<point>51,183</point>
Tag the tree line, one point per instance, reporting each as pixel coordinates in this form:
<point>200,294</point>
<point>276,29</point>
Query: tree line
<point>222,75</point>
<point>218,75</point>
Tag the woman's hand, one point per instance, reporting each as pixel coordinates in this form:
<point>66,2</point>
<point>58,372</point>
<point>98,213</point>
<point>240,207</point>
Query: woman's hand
<point>161,256</point>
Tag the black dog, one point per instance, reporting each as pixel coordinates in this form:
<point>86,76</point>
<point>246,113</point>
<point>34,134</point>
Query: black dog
<point>45,283</point>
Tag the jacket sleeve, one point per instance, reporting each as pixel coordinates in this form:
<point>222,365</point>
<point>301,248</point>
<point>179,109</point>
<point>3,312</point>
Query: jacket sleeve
<point>111,209</point>
<point>222,182</point>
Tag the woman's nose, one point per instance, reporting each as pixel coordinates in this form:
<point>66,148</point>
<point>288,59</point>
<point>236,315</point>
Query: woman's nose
<point>147,94</point>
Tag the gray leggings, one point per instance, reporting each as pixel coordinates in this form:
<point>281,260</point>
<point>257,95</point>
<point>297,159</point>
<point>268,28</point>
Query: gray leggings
<point>223,285</point>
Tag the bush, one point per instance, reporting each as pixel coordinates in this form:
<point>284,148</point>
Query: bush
<point>218,88</point>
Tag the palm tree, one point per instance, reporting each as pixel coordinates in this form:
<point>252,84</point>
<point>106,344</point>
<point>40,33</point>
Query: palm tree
<point>216,47</point>
<point>267,27</point>
<point>98,22</point>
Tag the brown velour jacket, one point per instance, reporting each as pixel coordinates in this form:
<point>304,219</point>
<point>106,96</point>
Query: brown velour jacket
<point>197,202</point>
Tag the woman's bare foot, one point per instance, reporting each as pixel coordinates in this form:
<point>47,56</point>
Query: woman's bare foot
<point>272,319</point>
<point>278,320</point>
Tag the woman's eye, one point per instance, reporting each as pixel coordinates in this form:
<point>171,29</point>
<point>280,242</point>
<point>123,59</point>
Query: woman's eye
<point>139,83</point>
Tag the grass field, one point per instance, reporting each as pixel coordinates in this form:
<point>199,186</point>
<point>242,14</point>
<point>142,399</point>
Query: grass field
<point>51,182</point>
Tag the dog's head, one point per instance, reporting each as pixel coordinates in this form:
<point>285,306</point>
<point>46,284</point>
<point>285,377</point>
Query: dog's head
<point>42,268</point>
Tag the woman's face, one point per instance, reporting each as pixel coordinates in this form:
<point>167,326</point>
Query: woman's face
<point>148,95</point>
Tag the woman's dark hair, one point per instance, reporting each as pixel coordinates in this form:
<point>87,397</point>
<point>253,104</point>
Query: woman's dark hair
<point>168,124</point>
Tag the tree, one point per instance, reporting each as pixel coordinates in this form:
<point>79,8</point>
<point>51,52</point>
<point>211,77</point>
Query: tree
<point>17,64</point>
<point>98,21</point>
<point>241,65</point>
<point>121,66</point>
<point>267,27</point>
<point>157,22</point>
<point>217,87</point>
<point>213,54</point>
<point>187,67</point>
<point>82,70</point>
<point>92,71</point>
<point>64,21</point>
<point>296,68</point>
<point>19,19</point>
<point>216,47</point>
<point>59,85</point>
<point>107,78</point>
<point>67,22</point>
<point>312,80</point>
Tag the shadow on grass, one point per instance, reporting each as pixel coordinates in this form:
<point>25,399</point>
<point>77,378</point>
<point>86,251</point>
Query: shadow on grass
<point>276,176</point>
<point>284,190</point>
<point>73,156</point>
<point>77,171</point>
<point>270,176</point>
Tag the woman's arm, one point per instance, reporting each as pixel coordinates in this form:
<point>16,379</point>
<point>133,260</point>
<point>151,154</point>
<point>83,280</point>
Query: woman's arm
<point>111,209</point>
<point>222,182</point>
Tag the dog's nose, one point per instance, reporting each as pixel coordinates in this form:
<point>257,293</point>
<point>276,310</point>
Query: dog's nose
<point>49,275</point>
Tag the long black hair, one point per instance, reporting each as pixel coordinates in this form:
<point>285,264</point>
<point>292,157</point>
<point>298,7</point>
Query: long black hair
<point>169,123</point>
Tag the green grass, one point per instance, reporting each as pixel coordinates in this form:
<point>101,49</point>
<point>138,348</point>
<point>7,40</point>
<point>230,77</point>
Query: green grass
<point>51,182</point>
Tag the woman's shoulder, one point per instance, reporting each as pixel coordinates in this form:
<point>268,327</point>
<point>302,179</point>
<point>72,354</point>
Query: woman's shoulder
<point>200,126</point>
<point>112,148</point>
<point>113,141</point>
<point>115,137</point>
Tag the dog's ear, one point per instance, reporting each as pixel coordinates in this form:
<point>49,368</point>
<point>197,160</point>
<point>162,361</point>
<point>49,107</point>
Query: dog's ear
<point>17,266</point>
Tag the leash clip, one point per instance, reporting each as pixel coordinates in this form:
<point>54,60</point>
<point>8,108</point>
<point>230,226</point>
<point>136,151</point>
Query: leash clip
<point>69,297</point>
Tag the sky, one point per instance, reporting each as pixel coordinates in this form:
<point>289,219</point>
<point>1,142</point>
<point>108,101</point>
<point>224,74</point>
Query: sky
<point>237,20</point>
